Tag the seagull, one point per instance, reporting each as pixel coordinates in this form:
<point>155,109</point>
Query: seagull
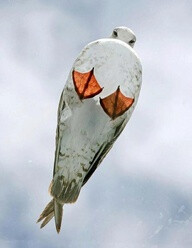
<point>97,101</point>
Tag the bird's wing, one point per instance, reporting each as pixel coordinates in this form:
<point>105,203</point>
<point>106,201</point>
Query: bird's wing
<point>103,150</point>
<point>57,138</point>
<point>86,86</point>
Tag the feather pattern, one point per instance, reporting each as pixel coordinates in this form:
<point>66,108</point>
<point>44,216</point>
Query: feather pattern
<point>87,126</point>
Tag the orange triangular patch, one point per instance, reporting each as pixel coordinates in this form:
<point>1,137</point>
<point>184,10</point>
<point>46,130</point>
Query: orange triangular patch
<point>86,84</point>
<point>116,104</point>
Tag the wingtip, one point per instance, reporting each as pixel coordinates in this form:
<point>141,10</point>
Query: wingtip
<point>47,214</point>
<point>40,219</point>
<point>41,226</point>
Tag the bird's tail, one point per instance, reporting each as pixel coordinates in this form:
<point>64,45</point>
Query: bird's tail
<point>53,208</point>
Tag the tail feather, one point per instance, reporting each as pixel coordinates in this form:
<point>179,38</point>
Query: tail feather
<point>53,208</point>
<point>58,212</point>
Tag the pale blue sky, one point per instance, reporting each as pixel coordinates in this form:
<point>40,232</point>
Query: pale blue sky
<point>140,197</point>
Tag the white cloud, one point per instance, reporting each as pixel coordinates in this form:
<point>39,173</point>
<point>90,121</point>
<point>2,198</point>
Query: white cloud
<point>147,177</point>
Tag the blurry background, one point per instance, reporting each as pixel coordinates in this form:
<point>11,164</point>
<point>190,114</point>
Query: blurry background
<point>141,195</point>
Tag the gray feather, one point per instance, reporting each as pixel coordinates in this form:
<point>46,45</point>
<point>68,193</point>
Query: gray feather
<point>58,211</point>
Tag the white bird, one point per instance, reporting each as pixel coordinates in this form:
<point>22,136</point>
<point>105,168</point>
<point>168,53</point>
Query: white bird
<point>97,101</point>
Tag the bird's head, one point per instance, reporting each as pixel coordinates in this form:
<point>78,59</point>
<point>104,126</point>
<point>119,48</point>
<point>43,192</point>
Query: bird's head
<point>125,34</point>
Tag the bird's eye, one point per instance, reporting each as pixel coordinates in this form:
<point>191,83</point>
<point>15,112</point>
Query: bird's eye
<point>115,33</point>
<point>131,41</point>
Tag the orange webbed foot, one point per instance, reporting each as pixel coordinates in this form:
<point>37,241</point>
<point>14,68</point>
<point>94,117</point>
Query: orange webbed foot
<point>86,84</point>
<point>116,104</point>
